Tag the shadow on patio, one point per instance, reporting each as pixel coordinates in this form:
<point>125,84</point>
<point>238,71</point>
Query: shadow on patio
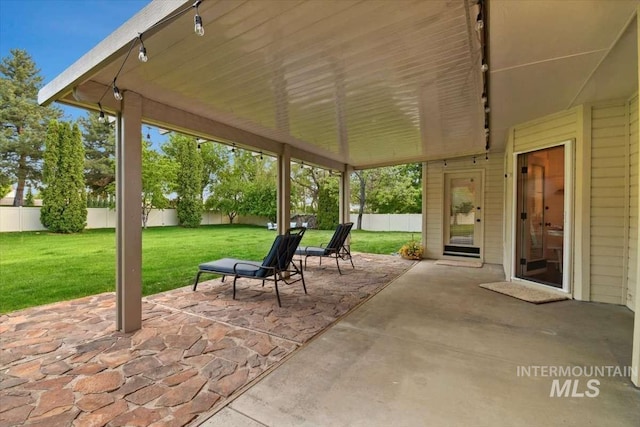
<point>64,364</point>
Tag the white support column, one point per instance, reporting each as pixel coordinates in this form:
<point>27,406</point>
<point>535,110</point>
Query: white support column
<point>129,214</point>
<point>284,189</point>
<point>635,356</point>
<point>345,195</point>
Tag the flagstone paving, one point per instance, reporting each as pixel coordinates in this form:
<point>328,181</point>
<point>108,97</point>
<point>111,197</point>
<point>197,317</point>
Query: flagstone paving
<point>64,363</point>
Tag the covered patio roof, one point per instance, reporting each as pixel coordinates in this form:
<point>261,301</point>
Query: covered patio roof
<point>363,83</point>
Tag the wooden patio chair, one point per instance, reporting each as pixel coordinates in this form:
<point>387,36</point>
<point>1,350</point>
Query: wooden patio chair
<point>277,266</point>
<point>336,248</point>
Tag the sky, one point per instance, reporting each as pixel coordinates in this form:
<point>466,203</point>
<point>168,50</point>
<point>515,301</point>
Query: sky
<point>56,33</point>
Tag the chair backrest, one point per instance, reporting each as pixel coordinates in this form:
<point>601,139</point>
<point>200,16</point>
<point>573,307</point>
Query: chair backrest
<point>339,236</point>
<point>281,252</point>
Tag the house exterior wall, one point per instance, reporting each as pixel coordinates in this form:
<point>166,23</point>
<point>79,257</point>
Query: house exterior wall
<point>610,197</point>
<point>493,203</point>
<point>538,134</point>
<point>605,194</point>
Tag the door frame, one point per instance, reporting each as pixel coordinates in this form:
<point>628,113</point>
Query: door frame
<point>445,215</point>
<point>568,220</point>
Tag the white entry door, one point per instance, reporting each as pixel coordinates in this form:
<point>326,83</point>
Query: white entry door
<point>463,214</point>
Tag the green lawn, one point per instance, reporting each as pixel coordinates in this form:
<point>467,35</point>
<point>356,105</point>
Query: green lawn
<point>39,267</point>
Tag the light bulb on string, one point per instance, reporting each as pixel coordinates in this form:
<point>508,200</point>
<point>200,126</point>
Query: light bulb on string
<point>479,21</point>
<point>101,117</point>
<point>116,92</point>
<point>445,163</point>
<point>484,67</point>
<point>142,54</point>
<point>197,21</point>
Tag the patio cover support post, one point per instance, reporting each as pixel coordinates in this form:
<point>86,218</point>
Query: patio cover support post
<point>284,189</point>
<point>635,357</point>
<point>129,214</point>
<point>345,195</point>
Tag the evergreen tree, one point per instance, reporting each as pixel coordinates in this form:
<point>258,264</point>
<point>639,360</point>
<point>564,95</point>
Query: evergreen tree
<point>328,207</point>
<point>99,147</point>
<point>22,121</point>
<point>64,202</point>
<point>188,180</point>
<point>28,201</point>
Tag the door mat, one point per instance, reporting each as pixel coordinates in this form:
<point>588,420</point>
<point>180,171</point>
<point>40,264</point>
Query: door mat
<point>523,292</point>
<point>455,263</point>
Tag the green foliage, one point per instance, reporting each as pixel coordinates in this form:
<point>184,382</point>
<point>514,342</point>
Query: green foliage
<point>158,176</point>
<point>23,123</point>
<point>64,203</point>
<point>188,180</point>
<point>393,189</point>
<point>99,164</point>
<point>32,259</point>
<point>306,183</point>
<point>28,201</point>
<point>261,199</point>
<point>328,207</point>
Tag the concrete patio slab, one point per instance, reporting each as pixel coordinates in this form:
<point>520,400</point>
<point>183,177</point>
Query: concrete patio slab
<point>435,349</point>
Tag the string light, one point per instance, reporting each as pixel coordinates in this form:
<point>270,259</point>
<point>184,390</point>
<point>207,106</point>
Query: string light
<point>197,20</point>
<point>487,109</point>
<point>148,133</point>
<point>486,156</point>
<point>142,52</point>
<point>484,67</point>
<point>445,163</point>
<point>101,117</point>
<point>261,158</point>
<point>116,92</point>
<point>474,160</point>
<point>479,20</point>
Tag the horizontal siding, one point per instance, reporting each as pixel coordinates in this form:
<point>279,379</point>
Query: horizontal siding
<point>632,247</point>
<point>554,129</point>
<point>609,169</point>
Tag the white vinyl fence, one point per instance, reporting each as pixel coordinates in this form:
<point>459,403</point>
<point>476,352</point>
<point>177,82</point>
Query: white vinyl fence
<point>28,219</point>
<point>389,222</point>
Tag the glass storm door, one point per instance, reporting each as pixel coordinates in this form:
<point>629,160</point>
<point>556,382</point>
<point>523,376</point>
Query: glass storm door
<point>540,216</point>
<point>463,214</point>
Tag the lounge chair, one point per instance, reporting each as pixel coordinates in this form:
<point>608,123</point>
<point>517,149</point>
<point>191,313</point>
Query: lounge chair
<point>278,265</point>
<point>272,226</point>
<point>336,247</point>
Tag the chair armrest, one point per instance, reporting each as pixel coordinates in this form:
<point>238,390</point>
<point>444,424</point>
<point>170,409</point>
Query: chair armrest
<point>249,264</point>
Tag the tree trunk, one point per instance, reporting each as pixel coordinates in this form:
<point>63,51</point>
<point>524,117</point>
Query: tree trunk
<point>18,200</point>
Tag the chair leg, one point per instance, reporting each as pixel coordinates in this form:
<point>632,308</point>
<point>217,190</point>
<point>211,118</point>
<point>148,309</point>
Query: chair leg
<point>277,292</point>
<point>234,286</point>
<point>338,264</point>
<point>304,286</point>
<point>263,283</point>
<point>195,285</point>
<point>223,276</point>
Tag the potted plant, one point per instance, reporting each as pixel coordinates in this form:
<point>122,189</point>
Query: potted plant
<point>411,250</point>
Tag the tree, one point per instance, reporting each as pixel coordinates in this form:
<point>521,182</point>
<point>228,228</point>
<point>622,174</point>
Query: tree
<point>158,176</point>
<point>28,201</point>
<point>23,123</point>
<point>99,147</point>
<point>64,203</point>
<point>328,208</point>
<point>188,180</point>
